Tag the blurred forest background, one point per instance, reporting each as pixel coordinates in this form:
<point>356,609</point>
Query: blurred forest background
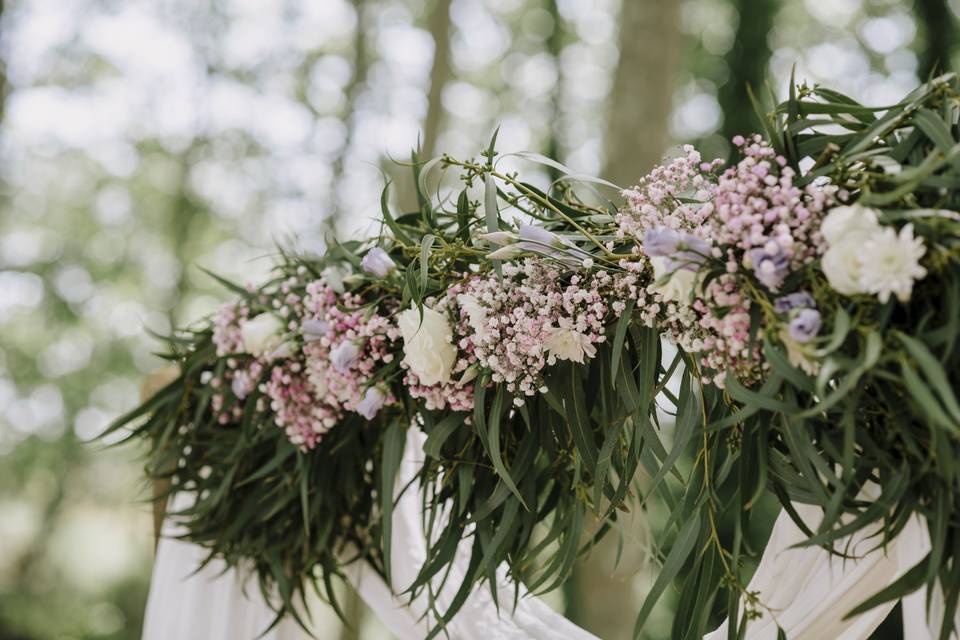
<point>141,138</point>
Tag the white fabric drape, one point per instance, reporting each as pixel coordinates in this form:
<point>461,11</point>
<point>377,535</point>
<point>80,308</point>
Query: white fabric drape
<point>808,591</point>
<point>213,604</point>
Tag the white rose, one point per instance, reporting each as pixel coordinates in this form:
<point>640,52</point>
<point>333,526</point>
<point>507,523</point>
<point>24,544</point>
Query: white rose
<point>427,345</point>
<point>841,223</point>
<point>679,284</point>
<point>261,335</point>
<point>841,264</point>
<point>566,344</point>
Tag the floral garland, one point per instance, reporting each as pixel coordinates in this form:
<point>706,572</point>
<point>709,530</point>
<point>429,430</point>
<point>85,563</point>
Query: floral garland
<point>812,289</point>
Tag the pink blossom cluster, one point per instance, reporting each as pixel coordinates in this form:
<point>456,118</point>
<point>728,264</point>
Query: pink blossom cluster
<point>457,393</point>
<point>676,195</point>
<point>763,221</point>
<point>752,217</point>
<point>531,318</point>
<point>346,344</point>
<point>227,338</point>
<point>331,349</point>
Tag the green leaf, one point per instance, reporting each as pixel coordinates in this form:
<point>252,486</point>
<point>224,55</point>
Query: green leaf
<point>493,444</point>
<point>426,245</point>
<point>490,209</point>
<point>393,443</point>
<point>618,337</point>
<point>934,372</point>
<point>440,432</point>
<point>906,584</point>
<point>388,218</point>
<point>684,545</point>
<point>578,420</point>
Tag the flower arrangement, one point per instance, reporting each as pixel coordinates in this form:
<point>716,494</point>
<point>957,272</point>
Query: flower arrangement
<point>811,287</point>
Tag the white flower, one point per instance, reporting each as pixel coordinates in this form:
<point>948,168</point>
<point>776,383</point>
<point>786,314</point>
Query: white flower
<point>334,276</point>
<point>378,263</point>
<point>476,313</point>
<point>427,345</point>
<point>261,335</point>
<point>841,264</point>
<point>679,284</point>
<point>890,263</point>
<point>566,344</point>
<point>797,354</point>
<point>841,223</point>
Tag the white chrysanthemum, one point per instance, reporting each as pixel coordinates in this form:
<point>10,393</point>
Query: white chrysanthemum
<point>890,263</point>
<point>567,344</point>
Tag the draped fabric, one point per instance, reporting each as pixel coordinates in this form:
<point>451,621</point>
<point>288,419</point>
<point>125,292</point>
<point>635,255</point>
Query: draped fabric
<point>807,591</point>
<point>219,603</point>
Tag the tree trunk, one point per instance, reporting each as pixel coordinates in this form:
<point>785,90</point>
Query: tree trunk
<point>938,27</point>
<point>438,24</point>
<point>352,91</point>
<point>642,96</point>
<point>747,63</point>
<point>554,46</point>
<point>637,136</point>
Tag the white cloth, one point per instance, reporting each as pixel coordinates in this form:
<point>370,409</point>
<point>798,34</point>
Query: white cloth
<point>217,603</point>
<point>808,591</point>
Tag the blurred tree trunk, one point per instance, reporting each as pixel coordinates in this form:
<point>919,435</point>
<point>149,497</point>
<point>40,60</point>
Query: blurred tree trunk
<point>937,24</point>
<point>643,84</point>
<point>554,46</point>
<point>361,63</point>
<point>438,23</point>
<point>601,598</point>
<point>747,63</point>
<point>439,26</point>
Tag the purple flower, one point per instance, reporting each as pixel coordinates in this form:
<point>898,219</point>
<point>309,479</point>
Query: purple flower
<point>344,356</point>
<point>770,267</point>
<point>372,402</point>
<point>805,325</point>
<point>791,301</point>
<point>684,250</point>
<point>660,242</point>
<point>313,329</point>
<point>693,252</point>
<point>378,263</point>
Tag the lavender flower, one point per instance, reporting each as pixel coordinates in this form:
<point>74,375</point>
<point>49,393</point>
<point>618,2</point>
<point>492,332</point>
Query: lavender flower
<point>791,301</point>
<point>371,404</point>
<point>314,329</point>
<point>537,238</point>
<point>344,356</point>
<point>770,264</point>
<point>683,250</point>
<point>693,252</point>
<point>660,242</point>
<point>805,325</point>
<point>378,263</point>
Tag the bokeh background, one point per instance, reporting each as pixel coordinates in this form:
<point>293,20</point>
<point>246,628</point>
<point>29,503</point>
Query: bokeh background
<point>141,138</point>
